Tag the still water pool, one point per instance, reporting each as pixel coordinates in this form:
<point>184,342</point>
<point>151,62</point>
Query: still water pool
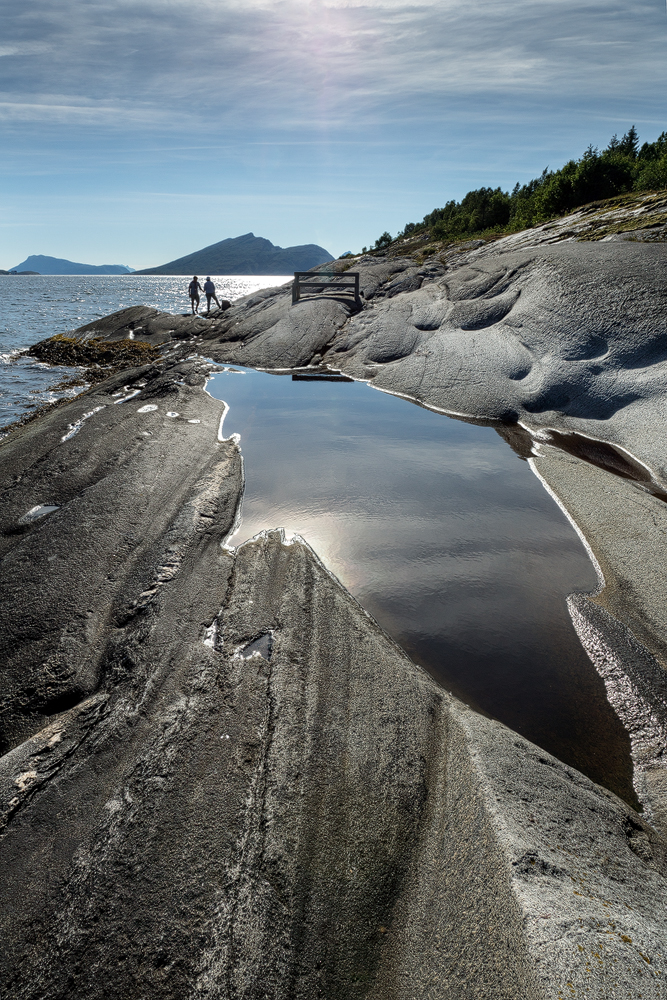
<point>446,537</point>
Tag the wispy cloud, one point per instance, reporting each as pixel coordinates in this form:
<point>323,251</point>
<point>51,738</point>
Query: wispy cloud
<point>395,105</point>
<point>63,110</point>
<point>24,49</point>
<point>324,64</point>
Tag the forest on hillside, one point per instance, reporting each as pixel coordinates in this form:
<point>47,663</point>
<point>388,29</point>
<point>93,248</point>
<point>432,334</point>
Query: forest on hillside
<point>622,167</point>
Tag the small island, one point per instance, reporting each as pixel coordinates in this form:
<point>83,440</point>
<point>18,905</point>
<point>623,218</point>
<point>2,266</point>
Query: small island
<point>58,265</point>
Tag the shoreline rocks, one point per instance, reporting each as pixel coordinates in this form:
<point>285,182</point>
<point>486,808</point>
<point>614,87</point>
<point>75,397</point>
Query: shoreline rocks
<point>117,478</point>
<point>220,776</point>
<point>254,785</point>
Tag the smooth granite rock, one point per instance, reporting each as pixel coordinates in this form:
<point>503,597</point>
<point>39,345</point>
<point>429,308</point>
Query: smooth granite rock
<point>142,490</point>
<point>221,778</point>
<point>273,801</point>
<point>571,337</point>
<point>568,336</point>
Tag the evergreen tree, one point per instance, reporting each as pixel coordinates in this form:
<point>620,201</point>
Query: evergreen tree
<point>622,167</point>
<point>383,241</point>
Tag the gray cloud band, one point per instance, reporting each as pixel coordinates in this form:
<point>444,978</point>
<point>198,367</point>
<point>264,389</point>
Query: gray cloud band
<point>143,64</point>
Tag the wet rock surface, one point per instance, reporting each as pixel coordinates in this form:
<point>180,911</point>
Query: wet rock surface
<point>623,627</point>
<point>220,777</point>
<point>263,796</point>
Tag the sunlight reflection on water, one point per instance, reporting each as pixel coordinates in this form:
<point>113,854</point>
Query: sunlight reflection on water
<point>33,307</point>
<point>446,537</point>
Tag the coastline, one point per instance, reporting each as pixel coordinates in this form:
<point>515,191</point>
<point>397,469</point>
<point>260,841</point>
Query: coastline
<point>356,794</point>
<point>38,307</point>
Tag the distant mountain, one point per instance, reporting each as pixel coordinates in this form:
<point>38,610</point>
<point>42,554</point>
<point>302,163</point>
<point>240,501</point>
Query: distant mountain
<point>56,265</point>
<point>247,254</point>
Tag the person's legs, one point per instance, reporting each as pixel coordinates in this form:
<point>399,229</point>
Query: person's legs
<point>208,301</point>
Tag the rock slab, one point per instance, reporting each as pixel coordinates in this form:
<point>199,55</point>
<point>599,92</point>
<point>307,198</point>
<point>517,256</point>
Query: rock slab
<point>223,780</point>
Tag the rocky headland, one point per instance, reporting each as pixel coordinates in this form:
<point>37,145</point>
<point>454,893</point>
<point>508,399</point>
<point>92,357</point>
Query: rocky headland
<point>220,777</point>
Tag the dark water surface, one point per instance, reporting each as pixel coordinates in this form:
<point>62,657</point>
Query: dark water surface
<point>446,537</point>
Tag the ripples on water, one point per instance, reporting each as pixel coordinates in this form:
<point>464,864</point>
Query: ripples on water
<point>35,307</point>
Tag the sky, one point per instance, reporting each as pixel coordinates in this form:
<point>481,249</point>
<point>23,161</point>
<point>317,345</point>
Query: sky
<point>137,131</point>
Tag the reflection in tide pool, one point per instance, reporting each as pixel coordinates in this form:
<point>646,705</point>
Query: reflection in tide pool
<point>446,537</point>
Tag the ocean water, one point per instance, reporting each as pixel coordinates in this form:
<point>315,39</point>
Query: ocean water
<point>35,307</point>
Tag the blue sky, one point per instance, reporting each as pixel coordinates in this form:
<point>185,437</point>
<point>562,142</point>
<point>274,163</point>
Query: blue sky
<point>136,131</point>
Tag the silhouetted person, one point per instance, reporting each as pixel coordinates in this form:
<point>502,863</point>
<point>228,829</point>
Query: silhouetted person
<point>209,288</point>
<point>194,288</point>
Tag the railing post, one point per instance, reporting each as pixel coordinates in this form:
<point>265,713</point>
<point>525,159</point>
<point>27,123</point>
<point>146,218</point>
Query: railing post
<point>295,288</point>
<point>356,288</point>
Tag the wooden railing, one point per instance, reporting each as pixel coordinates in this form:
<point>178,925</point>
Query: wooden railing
<point>322,376</point>
<point>311,282</point>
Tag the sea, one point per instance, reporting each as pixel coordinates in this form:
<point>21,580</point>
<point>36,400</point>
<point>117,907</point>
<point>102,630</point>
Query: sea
<point>33,307</point>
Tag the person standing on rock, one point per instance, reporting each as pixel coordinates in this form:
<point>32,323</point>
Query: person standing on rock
<point>209,288</point>
<point>194,288</point>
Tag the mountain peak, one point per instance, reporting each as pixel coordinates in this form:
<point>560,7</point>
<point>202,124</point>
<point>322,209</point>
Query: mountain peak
<point>246,254</point>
